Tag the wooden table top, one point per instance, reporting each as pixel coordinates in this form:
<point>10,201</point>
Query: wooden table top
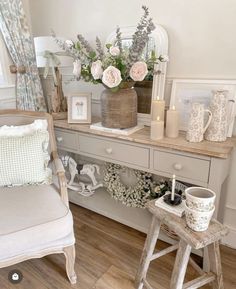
<point>205,148</point>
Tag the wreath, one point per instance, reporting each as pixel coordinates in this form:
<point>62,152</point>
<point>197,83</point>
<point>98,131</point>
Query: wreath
<point>144,190</point>
<point>131,196</point>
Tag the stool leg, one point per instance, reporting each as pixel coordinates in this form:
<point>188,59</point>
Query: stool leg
<point>181,263</point>
<point>206,261</point>
<point>147,252</point>
<point>215,265</point>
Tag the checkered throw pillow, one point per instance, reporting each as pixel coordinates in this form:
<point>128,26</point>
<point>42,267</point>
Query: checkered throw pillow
<point>24,159</point>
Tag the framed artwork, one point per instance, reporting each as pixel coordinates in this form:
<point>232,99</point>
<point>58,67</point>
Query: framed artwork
<point>186,91</point>
<point>79,108</point>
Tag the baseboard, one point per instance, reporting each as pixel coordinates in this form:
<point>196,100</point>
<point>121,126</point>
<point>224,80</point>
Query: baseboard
<point>229,240</point>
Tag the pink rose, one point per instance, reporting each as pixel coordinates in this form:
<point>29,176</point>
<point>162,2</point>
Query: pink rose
<point>77,68</point>
<point>138,71</point>
<point>96,69</point>
<point>111,77</point>
<point>114,50</point>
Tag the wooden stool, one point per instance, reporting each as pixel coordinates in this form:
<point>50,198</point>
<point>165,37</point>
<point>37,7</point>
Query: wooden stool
<point>188,240</point>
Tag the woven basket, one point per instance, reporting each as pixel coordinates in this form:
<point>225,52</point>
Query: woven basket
<point>119,109</point>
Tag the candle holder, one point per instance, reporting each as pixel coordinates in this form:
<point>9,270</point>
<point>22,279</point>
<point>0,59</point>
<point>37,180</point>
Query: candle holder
<point>177,200</point>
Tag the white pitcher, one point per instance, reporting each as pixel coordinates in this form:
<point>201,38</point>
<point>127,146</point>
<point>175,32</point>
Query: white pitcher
<point>218,128</point>
<point>196,127</point>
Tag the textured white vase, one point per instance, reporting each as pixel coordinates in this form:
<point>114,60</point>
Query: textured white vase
<point>196,220</point>
<point>200,199</point>
<point>218,128</point>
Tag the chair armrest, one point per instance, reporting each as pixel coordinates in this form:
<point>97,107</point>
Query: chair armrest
<point>60,172</point>
<point>59,168</point>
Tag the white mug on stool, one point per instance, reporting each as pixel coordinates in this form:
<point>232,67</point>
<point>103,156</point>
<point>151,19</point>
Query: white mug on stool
<point>196,128</point>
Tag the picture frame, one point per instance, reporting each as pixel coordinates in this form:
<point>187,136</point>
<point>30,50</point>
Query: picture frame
<point>79,108</point>
<point>186,91</point>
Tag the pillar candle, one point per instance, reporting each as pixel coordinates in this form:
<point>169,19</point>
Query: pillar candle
<point>158,109</point>
<point>157,129</point>
<point>172,123</point>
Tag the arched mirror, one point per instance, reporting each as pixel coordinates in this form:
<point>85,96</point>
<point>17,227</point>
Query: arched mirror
<point>153,86</point>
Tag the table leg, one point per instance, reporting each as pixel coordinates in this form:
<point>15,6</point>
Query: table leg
<point>148,250</point>
<point>181,263</point>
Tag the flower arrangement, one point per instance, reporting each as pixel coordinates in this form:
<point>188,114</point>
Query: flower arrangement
<point>117,65</point>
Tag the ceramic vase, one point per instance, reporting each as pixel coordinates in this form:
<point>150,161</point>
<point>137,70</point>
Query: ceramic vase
<point>196,127</point>
<point>218,128</point>
<point>199,207</point>
<point>200,199</point>
<point>198,221</point>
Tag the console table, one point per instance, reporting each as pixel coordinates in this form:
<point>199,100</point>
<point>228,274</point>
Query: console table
<point>204,164</point>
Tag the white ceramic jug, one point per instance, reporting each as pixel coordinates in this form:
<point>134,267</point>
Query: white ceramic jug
<point>196,127</point>
<point>217,130</point>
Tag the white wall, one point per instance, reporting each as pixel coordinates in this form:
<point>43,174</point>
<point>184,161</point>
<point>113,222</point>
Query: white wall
<point>201,35</point>
<point>201,32</point>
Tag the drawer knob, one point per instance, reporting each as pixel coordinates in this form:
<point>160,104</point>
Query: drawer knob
<point>109,151</point>
<point>177,166</point>
<point>59,139</point>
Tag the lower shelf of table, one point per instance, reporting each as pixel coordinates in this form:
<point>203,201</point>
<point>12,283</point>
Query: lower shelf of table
<point>102,203</point>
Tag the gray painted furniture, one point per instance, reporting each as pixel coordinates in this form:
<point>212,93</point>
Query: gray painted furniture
<point>188,240</point>
<point>205,164</point>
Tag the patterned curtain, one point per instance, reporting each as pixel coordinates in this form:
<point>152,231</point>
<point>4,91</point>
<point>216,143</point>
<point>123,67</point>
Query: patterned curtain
<point>15,30</point>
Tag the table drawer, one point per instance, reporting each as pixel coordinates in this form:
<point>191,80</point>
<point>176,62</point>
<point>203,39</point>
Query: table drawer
<point>182,166</point>
<point>116,151</point>
<point>67,140</point>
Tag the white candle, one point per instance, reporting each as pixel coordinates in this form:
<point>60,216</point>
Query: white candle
<point>157,129</point>
<point>158,109</point>
<point>173,189</point>
<point>172,123</point>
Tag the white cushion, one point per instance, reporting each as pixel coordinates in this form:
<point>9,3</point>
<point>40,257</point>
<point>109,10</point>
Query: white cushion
<point>23,154</point>
<point>32,218</point>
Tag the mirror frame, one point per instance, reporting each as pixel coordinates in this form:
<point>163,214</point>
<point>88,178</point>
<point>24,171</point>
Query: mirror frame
<point>161,43</point>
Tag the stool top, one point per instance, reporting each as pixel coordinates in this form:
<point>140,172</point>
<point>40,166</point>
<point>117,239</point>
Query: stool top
<point>196,240</point>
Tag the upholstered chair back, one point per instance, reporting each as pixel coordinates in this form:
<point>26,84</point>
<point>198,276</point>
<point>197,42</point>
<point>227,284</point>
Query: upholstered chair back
<point>16,117</point>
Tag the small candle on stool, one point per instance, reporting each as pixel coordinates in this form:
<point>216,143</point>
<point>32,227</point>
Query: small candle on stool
<point>157,129</point>
<point>158,109</point>
<point>172,123</point>
<point>173,189</point>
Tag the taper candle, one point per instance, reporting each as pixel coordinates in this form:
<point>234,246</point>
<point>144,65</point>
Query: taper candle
<point>157,129</point>
<point>172,123</point>
<point>158,109</point>
<point>173,189</point>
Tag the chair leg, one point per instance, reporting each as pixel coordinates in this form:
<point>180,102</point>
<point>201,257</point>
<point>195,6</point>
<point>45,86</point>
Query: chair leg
<point>215,265</point>
<point>69,253</point>
<point>147,252</point>
<point>181,263</point>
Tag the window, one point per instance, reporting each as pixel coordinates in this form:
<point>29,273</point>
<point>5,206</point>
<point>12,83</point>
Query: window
<point>6,78</point>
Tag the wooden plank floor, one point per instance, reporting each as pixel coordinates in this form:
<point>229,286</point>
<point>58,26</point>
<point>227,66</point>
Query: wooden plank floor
<point>108,255</point>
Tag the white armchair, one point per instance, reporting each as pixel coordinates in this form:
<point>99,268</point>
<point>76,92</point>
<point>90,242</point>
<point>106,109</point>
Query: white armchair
<point>35,220</point>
